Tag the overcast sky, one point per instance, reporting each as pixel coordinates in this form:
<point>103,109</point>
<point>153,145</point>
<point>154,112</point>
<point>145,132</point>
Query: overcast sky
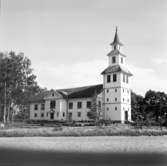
<point>68,40</point>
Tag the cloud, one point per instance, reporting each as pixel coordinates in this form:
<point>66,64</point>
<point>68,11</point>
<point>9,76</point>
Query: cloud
<point>66,76</point>
<point>88,73</point>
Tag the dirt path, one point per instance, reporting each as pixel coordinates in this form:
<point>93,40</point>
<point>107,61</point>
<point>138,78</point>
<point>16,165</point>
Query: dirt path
<point>88,144</point>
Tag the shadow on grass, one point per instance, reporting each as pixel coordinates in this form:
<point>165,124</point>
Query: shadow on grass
<point>13,157</point>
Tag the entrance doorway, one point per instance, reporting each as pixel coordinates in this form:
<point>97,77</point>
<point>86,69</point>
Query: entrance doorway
<point>126,115</point>
<point>52,115</point>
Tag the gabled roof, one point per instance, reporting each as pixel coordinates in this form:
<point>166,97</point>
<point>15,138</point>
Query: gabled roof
<point>39,97</point>
<point>115,52</point>
<point>116,68</point>
<point>116,40</point>
<point>79,92</point>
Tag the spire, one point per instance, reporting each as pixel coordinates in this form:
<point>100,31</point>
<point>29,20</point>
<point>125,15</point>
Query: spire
<point>116,41</point>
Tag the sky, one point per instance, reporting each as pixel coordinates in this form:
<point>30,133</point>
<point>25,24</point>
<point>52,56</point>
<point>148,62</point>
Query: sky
<point>67,40</point>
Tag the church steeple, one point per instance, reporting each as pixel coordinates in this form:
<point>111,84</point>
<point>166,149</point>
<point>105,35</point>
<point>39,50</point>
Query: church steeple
<point>116,43</point>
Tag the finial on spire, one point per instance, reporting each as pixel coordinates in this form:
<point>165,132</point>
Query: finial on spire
<point>116,41</point>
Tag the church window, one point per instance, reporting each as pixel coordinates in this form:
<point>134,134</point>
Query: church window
<point>115,108</point>
<point>107,90</point>
<point>123,89</point>
<point>123,99</point>
<point>79,105</point>
<point>42,106</point>
<point>79,114</point>
<point>52,104</point>
<point>116,99</point>
<point>63,114</point>
<point>42,115</point>
<point>107,109</point>
<point>88,104</point>
<point>53,94</point>
<point>115,89</point>
<point>107,99</point>
<point>36,107</point>
<point>70,105</point>
<point>127,79</point>
<point>57,114</point>
<point>108,78</point>
<point>114,77</point>
<point>113,59</point>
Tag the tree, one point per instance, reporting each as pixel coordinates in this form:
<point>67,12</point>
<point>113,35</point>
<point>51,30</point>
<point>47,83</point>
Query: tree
<point>137,107</point>
<point>156,106</point>
<point>17,82</point>
<point>93,113</point>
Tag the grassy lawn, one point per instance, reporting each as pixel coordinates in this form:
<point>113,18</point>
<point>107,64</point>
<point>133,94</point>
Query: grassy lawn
<point>114,130</point>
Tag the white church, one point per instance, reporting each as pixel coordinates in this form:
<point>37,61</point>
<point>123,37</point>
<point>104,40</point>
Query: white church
<point>113,97</point>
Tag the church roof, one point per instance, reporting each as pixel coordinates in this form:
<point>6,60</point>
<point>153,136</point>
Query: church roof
<point>78,92</point>
<point>116,40</point>
<point>115,52</point>
<point>116,68</point>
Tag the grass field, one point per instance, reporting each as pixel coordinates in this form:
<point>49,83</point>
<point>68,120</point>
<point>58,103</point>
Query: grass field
<point>114,130</point>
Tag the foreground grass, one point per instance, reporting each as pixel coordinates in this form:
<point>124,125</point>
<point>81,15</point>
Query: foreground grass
<point>114,130</point>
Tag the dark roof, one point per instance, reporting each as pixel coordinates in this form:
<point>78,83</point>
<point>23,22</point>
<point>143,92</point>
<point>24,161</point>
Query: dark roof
<point>79,92</point>
<point>39,97</point>
<point>116,40</point>
<point>116,68</point>
<point>115,52</point>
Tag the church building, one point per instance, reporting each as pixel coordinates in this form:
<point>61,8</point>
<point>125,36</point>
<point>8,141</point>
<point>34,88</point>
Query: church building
<point>112,99</point>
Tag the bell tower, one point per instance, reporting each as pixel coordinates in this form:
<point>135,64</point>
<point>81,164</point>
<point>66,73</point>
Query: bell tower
<point>116,83</point>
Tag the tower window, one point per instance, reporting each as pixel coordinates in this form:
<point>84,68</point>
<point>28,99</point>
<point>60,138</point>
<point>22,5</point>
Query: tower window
<point>35,115</point>
<point>115,108</point>
<point>107,99</point>
<point>114,77</point>
<point>115,90</point>
<point>123,77</point>
<point>108,78</point>
<point>127,79</point>
<point>99,104</point>
<point>115,99</point>
<point>107,90</point>
<point>113,59</point>
<point>107,109</point>
<point>122,60</point>
<point>63,114</point>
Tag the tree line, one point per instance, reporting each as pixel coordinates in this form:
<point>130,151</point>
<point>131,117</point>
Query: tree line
<point>17,84</point>
<point>150,109</point>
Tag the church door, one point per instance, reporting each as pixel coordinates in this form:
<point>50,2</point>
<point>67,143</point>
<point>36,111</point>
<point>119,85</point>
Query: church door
<point>126,115</point>
<point>52,115</point>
